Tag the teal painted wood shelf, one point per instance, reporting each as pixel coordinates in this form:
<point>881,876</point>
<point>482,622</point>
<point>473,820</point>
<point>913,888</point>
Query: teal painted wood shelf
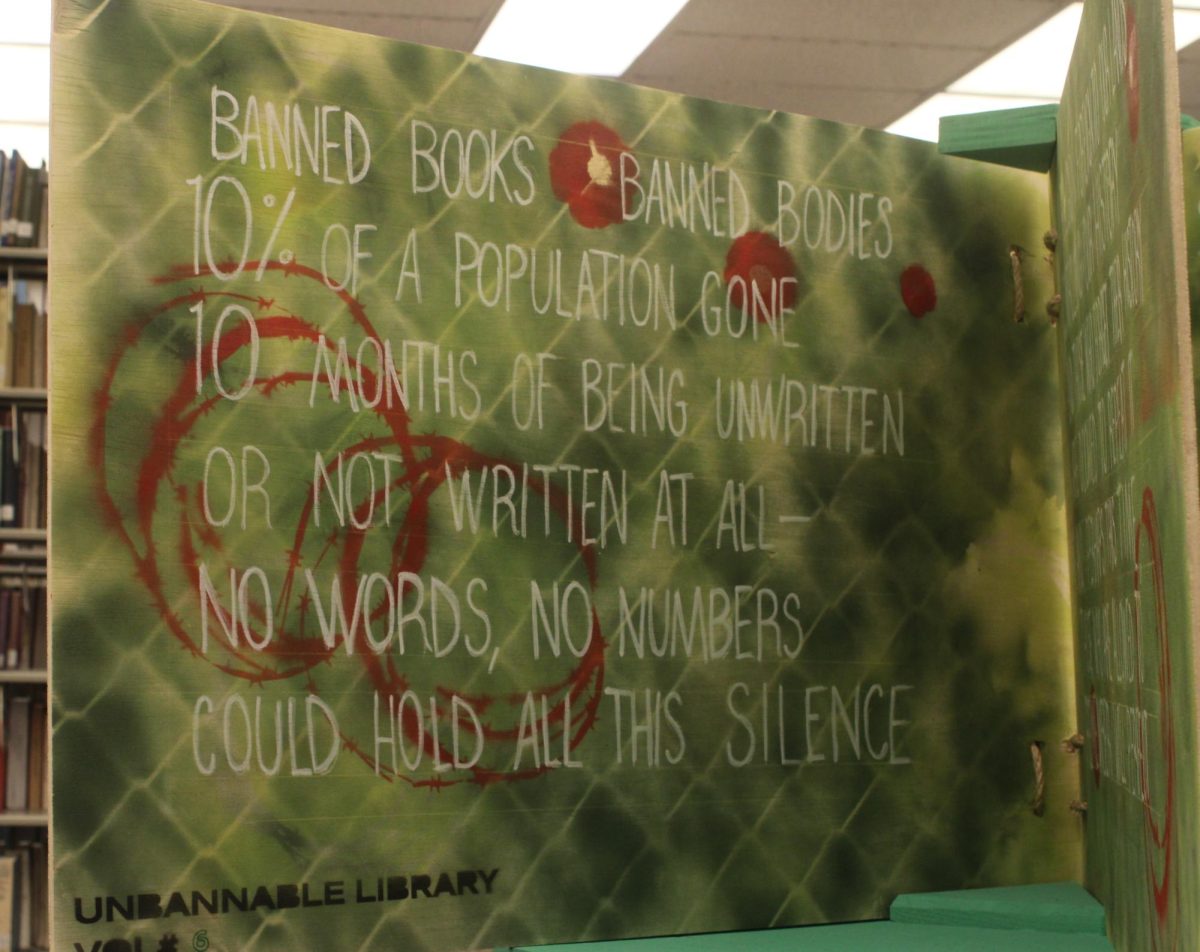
<point>1053,907</point>
<point>860,937</point>
<point>1057,917</point>
<point>1022,138</point>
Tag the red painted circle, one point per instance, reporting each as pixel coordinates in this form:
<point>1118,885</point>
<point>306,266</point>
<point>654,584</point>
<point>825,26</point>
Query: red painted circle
<point>1160,841</point>
<point>425,463</point>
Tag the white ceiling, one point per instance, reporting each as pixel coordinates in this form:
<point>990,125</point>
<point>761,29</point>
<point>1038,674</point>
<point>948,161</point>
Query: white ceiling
<point>866,62</point>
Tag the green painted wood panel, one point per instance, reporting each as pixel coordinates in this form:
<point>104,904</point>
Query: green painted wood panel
<point>382,375</point>
<point>1131,440</point>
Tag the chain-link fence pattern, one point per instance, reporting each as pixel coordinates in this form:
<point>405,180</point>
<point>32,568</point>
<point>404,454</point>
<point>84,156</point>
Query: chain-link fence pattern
<point>939,570</point>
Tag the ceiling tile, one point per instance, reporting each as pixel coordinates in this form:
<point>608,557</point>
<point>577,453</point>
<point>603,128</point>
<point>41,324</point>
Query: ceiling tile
<point>978,23</point>
<point>823,64</point>
<point>457,25</point>
<point>860,61</point>
<point>856,106</point>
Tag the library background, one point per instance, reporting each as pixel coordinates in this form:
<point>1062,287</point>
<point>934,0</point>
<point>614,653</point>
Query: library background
<point>829,60</point>
<point>24,875</point>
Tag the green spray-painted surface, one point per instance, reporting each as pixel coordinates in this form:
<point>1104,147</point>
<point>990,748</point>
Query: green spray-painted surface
<point>1130,433</point>
<point>913,629</point>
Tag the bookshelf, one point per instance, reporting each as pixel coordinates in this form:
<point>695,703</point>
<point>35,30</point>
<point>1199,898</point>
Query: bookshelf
<point>25,676</point>
<point>24,786</point>
<point>38,819</point>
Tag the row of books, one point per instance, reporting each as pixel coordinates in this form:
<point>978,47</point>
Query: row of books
<point>23,619</point>
<point>25,785</point>
<point>24,782</point>
<point>24,890</point>
<point>23,334</point>
<point>23,467</point>
<point>24,202</point>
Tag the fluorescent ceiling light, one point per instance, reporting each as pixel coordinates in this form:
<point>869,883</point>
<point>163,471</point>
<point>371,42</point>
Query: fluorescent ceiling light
<point>1030,72</point>
<point>32,140</point>
<point>1187,26</point>
<point>24,84</point>
<point>922,122</point>
<point>576,36</point>
<point>25,78</point>
<point>1034,66</point>
<point>25,21</point>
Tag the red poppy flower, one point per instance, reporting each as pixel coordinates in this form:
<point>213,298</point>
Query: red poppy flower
<point>918,290</point>
<point>755,269</point>
<point>585,173</point>
<point>1132,92</point>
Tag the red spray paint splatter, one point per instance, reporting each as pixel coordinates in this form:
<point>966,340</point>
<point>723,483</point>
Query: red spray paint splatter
<point>585,172</point>
<point>1160,840</point>
<point>918,291</point>
<point>761,276</point>
<point>1133,96</point>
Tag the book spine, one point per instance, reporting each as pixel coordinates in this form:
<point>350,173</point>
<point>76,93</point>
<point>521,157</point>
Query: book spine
<point>40,899</point>
<point>8,479</point>
<point>41,450</point>
<point>40,646</point>
<point>24,318</point>
<point>6,309</point>
<point>42,239</point>
<point>6,190</point>
<point>24,894</point>
<point>37,755</point>
<point>9,905</point>
<point>16,781</point>
<point>11,192</point>
<point>25,209</point>
<point>6,598</point>
<point>3,750</point>
<point>16,626</point>
<point>5,175</point>
<point>18,652</point>
<point>39,349</point>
